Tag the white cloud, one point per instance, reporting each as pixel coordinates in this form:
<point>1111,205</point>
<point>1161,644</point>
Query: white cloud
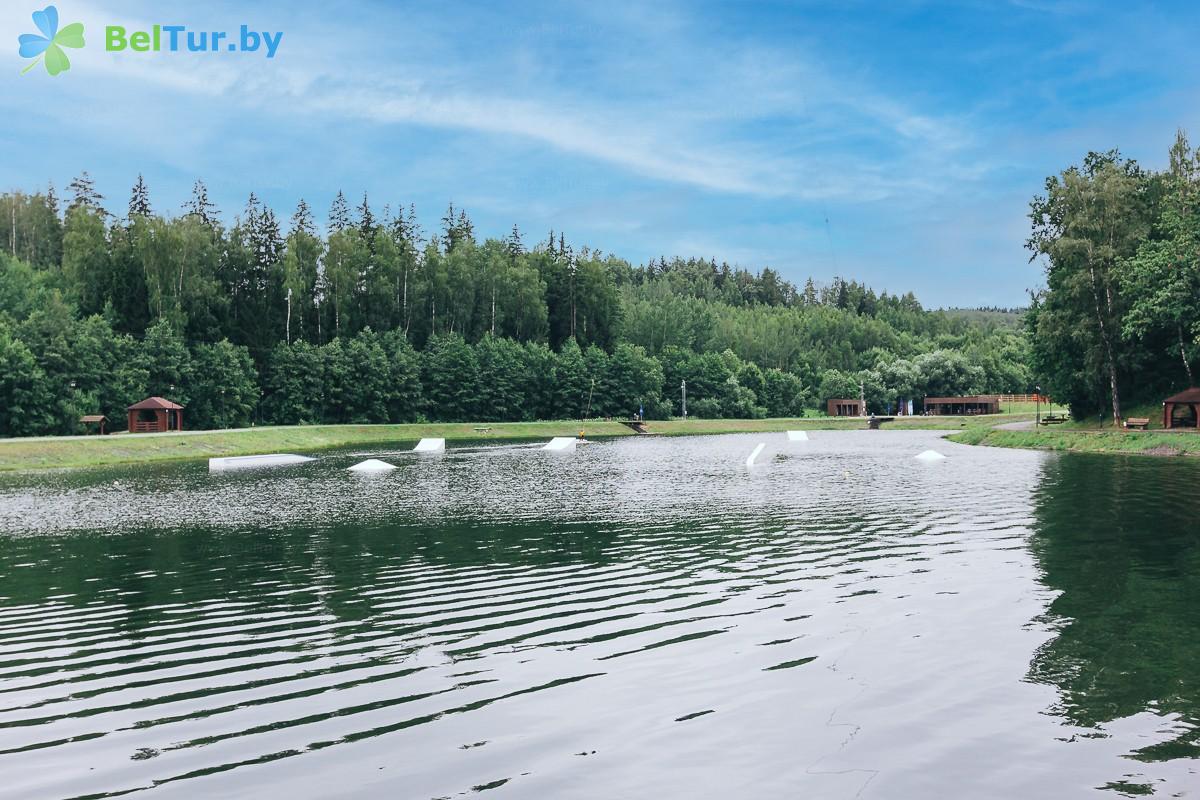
<point>695,129</point>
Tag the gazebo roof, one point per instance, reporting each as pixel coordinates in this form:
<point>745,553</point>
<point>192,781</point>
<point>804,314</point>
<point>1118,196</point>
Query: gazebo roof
<point>1191,395</point>
<point>155,403</point>
<point>93,418</point>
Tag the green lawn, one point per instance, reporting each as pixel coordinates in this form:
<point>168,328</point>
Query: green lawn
<point>1087,441</point>
<point>84,451</point>
<point>1091,436</point>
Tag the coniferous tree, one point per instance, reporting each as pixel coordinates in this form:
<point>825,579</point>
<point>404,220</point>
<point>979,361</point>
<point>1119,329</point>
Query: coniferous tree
<point>466,229</point>
<point>302,220</point>
<point>514,245</point>
<point>52,199</point>
<point>200,207</point>
<point>139,200</point>
<point>810,293</point>
<point>83,193</point>
<point>366,224</point>
<point>449,232</point>
<point>339,214</point>
<point>414,231</point>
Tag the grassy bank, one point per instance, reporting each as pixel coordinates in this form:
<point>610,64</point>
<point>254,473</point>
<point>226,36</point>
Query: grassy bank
<point>1083,440</point>
<point>1091,435</point>
<point>89,451</point>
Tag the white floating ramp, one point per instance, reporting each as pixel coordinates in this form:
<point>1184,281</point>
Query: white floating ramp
<point>247,462</point>
<point>797,436</point>
<point>560,443</point>
<point>372,465</point>
<point>430,446</point>
<point>929,455</point>
<point>755,454</point>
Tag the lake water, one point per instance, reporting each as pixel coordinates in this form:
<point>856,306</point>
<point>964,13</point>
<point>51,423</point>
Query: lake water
<point>642,618</point>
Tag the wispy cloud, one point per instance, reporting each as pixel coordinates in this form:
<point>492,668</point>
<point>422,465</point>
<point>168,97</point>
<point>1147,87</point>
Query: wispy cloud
<point>645,129</point>
<point>739,126</point>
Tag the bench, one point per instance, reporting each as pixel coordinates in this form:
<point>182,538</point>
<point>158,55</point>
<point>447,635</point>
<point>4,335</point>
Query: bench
<point>1137,423</point>
<point>484,429</point>
<point>1051,419</point>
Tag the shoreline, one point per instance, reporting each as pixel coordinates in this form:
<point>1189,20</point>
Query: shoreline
<point>75,452</point>
<point>1108,441</point>
<point>78,452</point>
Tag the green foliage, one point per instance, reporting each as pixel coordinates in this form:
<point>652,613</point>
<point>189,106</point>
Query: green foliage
<point>85,258</point>
<point>167,363</point>
<point>450,378</point>
<point>505,385</point>
<point>630,382</point>
<point>404,378</point>
<point>375,323</point>
<point>1119,320</point>
<point>24,395</point>
<point>224,386</point>
<point>293,384</point>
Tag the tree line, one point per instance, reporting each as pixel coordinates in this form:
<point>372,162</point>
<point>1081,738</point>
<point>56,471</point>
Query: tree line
<point>1118,323</point>
<point>372,320</point>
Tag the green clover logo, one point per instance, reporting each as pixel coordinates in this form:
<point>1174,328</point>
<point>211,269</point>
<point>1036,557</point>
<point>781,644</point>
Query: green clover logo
<point>48,47</point>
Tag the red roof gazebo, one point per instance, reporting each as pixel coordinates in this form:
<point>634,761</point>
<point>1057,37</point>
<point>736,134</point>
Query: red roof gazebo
<point>1182,410</point>
<point>155,415</point>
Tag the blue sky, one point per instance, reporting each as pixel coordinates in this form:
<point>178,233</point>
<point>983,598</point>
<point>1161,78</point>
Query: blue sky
<point>897,143</point>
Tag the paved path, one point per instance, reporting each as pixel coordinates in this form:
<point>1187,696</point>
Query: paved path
<point>1025,425</point>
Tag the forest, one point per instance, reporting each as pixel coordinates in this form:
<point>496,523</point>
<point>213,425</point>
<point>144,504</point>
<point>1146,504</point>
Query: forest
<point>1118,323</point>
<point>247,320</point>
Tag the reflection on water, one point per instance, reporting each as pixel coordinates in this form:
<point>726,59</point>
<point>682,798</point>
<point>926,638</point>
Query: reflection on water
<point>1120,539</point>
<point>641,618</point>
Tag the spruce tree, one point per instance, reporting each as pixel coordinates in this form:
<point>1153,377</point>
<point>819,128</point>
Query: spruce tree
<point>413,227</point>
<point>466,230</point>
<point>339,214</point>
<point>52,200</point>
<point>514,245</point>
<point>810,293</point>
<point>83,191</point>
<point>302,220</point>
<point>139,200</point>
<point>265,237</point>
<point>199,206</point>
<point>449,235</point>
<point>366,223</point>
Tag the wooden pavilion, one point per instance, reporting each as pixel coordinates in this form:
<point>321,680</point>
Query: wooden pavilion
<point>98,420</point>
<point>155,415</point>
<point>1182,410</point>
<point>844,407</point>
<point>975,404</point>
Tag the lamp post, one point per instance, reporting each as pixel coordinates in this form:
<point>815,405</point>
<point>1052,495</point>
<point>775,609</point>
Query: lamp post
<point>683,396</point>
<point>1038,398</point>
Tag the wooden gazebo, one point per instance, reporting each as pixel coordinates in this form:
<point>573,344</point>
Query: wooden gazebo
<point>99,420</point>
<point>1182,410</point>
<point>155,415</point>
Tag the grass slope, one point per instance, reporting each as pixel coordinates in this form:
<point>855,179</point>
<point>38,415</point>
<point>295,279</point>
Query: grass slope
<point>1083,440</point>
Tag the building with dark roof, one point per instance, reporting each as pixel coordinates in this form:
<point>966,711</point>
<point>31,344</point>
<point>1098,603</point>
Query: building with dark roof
<point>155,415</point>
<point>1182,410</point>
<point>976,404</point>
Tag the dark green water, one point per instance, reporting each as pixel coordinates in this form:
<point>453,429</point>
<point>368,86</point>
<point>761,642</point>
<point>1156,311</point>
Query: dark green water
<point>640,618</point>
